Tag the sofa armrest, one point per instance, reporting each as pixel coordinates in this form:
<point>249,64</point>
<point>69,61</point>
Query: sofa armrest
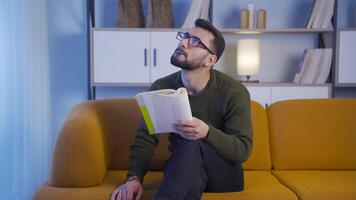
<point>81,155</point>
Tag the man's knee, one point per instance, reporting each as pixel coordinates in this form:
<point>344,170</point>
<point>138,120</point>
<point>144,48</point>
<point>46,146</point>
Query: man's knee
<point>188,147</point>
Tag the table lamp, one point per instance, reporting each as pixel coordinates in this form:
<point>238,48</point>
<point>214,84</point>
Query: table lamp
<point>248,58</point>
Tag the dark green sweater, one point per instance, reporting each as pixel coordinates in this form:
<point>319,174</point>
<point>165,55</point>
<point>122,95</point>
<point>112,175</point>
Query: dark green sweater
<point>224,104</point>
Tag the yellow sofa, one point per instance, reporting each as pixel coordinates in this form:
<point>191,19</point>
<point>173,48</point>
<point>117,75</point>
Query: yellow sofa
<point>313,147</point>
<point>303,149</point>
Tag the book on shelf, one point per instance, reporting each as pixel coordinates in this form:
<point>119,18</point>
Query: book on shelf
<point>300,66</point>
<point>198,9</point>
<point>162,108</point>
<point>314,66</point>
<point>328,14</point>
<point>130,14</point>
<point>312,13</point>
<point>325,66</point>
<point>321,14</point>
<point>159,14</point>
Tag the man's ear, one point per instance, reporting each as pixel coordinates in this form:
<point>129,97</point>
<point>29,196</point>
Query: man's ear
<point>212,59</point>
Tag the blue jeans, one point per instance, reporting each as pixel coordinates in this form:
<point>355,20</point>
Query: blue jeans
<point>195,167</point>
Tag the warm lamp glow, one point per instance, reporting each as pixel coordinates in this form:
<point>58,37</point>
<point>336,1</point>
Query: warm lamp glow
<point>248,57</point>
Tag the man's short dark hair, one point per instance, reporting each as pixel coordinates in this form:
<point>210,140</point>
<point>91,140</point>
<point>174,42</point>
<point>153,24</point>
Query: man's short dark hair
<point>218,42</point>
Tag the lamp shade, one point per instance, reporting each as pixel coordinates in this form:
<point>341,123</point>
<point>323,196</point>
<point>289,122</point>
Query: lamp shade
<point>248,57</point>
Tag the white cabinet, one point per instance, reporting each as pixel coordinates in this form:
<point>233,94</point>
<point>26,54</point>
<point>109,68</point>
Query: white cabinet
<point>346,59</point>
<point>163,45</point>
<point>120,57</point>
<point>280,93</point>
<point>261,94</point>
<point>268,94</point>
<point>138,57</point>
<point>131,57</point>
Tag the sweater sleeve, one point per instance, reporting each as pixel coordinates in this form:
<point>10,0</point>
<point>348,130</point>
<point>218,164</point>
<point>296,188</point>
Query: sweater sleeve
<point>142,149</point>
<point>235,143</point>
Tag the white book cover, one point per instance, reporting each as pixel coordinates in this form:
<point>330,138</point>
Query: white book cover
<point>313,14</point>
<point>325,66</point>
<point>320,66</point>
<point>300,66</point>
<point>163,108</point>
<point>313,67</point>
<point>195,8</point>
<point>198,9</point>
<point>305,66</point>
<point>205,10</point>
<point>328,13</point>
<point>319,14</point>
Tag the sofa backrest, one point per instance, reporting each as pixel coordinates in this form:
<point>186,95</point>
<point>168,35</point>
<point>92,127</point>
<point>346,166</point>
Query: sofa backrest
<point>260,156</point>
<point>313,134</point>
<point>121,117</point>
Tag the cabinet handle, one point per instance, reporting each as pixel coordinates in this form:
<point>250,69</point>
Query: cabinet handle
<point>145,56</point>
<point>154,57</point>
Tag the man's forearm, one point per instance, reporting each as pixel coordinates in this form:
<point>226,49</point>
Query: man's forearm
<point>234,147</point>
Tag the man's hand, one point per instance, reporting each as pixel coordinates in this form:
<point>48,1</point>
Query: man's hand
<point>131,190</point>
<point>192,129</point>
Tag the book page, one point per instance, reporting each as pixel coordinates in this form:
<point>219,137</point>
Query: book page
<point>162,108</point>
<point>180,107</point>
<point>170,108</point>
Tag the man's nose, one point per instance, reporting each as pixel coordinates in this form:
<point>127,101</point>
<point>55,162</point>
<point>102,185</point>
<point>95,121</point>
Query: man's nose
<point>184,43</point>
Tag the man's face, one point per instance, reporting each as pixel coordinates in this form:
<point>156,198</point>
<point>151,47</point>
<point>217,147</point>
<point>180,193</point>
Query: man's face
<point>189,57</point>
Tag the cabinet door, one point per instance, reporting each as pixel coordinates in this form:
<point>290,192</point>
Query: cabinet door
<point>120,57</point>
<point>261,94</point>
<point>346,70</point>
<point>163,45</point>
<point>299,92</point>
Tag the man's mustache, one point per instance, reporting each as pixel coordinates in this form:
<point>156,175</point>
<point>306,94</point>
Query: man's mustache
<point>180,50</point>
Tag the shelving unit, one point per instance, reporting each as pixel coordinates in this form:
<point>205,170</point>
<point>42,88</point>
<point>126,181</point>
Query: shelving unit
<point>275,31</point>
<point>329,87</point>
<point>230,31</point>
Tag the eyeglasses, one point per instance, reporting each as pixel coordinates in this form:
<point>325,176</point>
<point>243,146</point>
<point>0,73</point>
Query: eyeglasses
<point>193,40</point>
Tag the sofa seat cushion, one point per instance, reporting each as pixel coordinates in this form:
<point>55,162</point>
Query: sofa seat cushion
<point>103,191</point>
<point>325,184</point>
<point>258,185</point>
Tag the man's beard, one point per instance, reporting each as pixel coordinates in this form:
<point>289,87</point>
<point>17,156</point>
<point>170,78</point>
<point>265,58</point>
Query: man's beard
<point>183,63</point>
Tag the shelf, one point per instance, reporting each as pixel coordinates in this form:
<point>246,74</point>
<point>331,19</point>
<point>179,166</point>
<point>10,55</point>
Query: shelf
<point>139,29</point>
<point>274,31</point>
<point>347,29</point>
<point>227,31</point>
<point>345,85</point>
<point>285,84</point>
<point>121,84</point>
<point>267,84</point>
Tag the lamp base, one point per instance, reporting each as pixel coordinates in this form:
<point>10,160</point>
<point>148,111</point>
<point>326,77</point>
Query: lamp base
<point>249,81</point>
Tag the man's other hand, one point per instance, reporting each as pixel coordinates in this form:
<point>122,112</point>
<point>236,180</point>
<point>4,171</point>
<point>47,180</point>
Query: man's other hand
<point>192,129</point>
<point>131,190</point>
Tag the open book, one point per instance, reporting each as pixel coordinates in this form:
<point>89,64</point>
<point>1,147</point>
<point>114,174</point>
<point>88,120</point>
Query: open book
<point>162,108</point>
